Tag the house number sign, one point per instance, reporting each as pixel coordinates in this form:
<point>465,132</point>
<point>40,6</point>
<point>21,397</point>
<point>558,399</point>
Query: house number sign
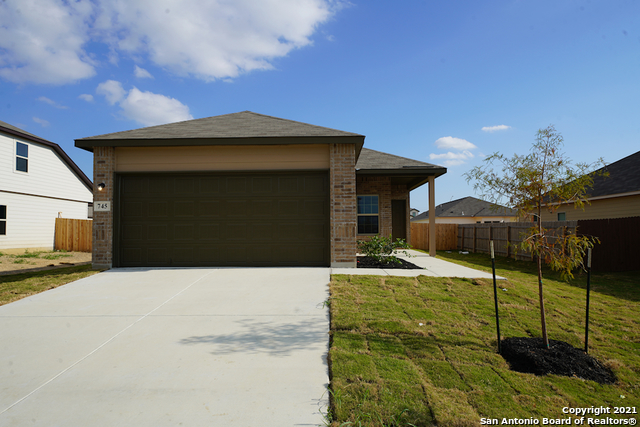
<point>102,206</point>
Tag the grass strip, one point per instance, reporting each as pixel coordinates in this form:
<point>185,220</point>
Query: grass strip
<point>17,286</point>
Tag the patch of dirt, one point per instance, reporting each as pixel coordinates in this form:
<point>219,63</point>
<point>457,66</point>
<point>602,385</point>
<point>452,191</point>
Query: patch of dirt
<point>528,355</point>
<point>368,262</point>
<point>9,265</point>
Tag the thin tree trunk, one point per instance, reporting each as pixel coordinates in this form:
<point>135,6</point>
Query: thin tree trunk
<point>543,319</point>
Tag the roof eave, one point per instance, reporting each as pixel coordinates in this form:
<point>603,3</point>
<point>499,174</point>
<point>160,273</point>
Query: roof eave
<point>89,143</point>
<point>417,175</point>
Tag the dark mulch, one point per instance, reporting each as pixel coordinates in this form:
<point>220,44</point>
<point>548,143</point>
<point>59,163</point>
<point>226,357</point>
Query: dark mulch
<point>528,355</point>
<point>368,262</point>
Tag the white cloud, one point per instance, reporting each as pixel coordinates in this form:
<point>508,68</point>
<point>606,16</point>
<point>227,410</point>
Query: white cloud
<point>141,73</point>
<point>460,151</point>
<point>112,90</point>
<point>86,97</point>
<point>146,108</point>
<point>153,109</point>
<point>495,128</point>
<point>44,41</point>
<point>453,159</point>
<point>41,122</point>
<point>449,142</point>
<point>453,156</point>
<point>52,103</point>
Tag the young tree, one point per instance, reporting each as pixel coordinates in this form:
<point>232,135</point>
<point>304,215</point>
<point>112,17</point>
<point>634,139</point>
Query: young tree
<point>543,179</point>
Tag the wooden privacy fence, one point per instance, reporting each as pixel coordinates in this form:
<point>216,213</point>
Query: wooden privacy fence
<point>618,248</point>
<point>506,236</point>
<point>73,235</point>
<point>616,251</point>
<point>446,236</point>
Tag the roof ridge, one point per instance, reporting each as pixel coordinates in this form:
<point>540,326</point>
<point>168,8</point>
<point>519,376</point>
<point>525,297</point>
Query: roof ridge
<point>231,125</point>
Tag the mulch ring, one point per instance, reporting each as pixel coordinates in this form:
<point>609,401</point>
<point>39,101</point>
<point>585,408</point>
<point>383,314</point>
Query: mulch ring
<point>528,355</point>
<point>368,262</point>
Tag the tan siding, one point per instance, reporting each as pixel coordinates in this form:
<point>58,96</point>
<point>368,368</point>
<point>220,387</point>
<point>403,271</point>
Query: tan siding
<point>618,207</point>
<point>222,158</point>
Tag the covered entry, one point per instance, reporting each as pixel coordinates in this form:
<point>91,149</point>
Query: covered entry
<point>222,219</point>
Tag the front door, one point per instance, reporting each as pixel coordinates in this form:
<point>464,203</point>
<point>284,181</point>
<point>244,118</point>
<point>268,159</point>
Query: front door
<point>399,219</point>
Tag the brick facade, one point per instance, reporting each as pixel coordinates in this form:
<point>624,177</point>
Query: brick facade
<point>381,186</point>
<point>103,172</point>
<point>342,182</point>
<point>343,189</point>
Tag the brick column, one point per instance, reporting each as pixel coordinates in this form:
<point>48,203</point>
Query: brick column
<point>103,172</point>
<point>342,182</point>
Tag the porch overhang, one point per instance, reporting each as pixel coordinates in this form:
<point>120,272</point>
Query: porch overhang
<point>411,176</point>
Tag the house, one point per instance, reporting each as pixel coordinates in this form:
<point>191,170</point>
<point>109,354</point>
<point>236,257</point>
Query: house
<point>614,196</point>
<point>468,210</point>
<point>245,189</point>
<point>413,212</point>
<point>38,183</point>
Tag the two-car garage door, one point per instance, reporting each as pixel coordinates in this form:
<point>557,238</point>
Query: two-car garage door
<point>222,219</point>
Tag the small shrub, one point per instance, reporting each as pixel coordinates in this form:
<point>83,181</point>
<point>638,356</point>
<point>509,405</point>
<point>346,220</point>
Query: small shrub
<point>381,248</point>
<point>54,255</point>
<point>28,254</point>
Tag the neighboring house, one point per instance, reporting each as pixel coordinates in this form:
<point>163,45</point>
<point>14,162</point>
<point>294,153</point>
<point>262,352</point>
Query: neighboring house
<point>245,189</point>
<point>38,183</point>
<point>614,196</point>
<point>413,212</point>
<point>468,210</point>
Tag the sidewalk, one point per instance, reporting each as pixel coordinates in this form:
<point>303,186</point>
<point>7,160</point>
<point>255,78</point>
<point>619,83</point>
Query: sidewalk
<point>432,267</point>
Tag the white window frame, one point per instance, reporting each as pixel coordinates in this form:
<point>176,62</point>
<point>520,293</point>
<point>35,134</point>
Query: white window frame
<point>4,220</point>
<point>17,156</point>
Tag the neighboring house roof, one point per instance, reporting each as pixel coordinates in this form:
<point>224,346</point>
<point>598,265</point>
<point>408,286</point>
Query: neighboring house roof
<point>244,128</point>
<point>12,130</point>
<point>468,207</point>
<point>411,172</point>
<point>624,177</point>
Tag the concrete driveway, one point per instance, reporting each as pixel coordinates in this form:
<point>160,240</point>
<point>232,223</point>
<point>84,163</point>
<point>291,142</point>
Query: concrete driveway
<point>169,347</point>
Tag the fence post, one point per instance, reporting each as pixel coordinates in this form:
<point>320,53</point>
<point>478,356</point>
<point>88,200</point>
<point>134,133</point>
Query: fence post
<point>491,234</point>
<point>475,234</point>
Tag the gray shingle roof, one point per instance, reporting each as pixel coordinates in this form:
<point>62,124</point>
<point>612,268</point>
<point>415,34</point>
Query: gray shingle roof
<point>245,124</point>
<point>468,207</point>
<point>624,177</point>
<point>371,159</point>
<point>11,127</point>
<point>401,170</point>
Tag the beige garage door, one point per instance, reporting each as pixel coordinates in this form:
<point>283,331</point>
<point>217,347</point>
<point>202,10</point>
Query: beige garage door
<point>230,219</point>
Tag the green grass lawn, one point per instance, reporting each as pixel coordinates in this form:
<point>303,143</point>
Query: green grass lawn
<point>423,351</point>
<point>17,286</point>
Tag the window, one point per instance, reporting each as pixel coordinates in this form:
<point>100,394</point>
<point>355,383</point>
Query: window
<point>368,222</point>
<point>3,220</point>
<point>562,216</point>
<point>22,157</point>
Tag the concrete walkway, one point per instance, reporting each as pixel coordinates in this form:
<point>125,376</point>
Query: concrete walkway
<point>168,347</point>
<point>432,267</point>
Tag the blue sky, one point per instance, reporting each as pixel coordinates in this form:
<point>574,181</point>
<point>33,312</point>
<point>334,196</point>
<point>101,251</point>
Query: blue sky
<point>445,82</point>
